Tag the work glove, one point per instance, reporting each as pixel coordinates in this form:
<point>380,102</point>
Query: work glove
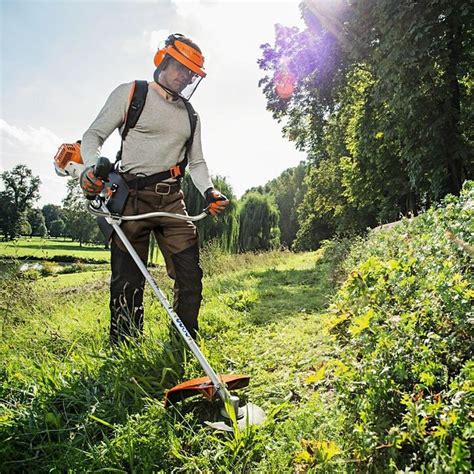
<point>216,201</point>
<point>91,185</point>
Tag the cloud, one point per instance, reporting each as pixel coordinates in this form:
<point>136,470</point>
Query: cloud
<point>35,148</point>
<point>30,139</point>
<point>155,38</point>
<point>147,41</point>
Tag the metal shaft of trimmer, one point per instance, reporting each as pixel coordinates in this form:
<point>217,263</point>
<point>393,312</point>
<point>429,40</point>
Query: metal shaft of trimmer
<point>220,387</point>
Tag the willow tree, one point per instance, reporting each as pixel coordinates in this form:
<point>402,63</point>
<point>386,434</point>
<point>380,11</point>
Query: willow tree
<point>288,190</point>
<point>259,218</point>
<point>223,229</point>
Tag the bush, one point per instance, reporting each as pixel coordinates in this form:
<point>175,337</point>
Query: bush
<point>49,268</point>
<point>404,319</point>
<point>74,268</point>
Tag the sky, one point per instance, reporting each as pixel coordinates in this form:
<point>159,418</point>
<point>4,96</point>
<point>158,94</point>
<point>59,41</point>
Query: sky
<point>60,61</point>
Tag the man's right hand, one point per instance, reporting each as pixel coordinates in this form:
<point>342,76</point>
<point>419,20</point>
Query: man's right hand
<point>91,185</point>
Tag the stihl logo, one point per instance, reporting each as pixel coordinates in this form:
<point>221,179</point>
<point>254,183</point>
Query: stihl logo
<point>181,326</point>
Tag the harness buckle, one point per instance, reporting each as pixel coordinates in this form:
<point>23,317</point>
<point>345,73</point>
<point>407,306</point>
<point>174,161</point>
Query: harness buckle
<point>157,185</point>
<point>175,171</point>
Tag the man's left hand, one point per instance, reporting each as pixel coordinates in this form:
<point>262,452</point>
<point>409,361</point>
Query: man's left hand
<point>216,201</point>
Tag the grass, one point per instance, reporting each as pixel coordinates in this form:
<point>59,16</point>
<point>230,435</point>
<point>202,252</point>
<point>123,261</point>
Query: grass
<point>38,248</point>
<point>69,404</point>
<point>75,404</point>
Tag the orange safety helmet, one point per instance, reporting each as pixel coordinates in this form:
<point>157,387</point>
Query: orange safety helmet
<point>187,58</point>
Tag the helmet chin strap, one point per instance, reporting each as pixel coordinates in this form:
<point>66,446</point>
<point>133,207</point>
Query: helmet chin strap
<point>156,76</point>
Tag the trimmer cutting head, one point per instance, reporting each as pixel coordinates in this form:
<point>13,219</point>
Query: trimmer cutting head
<point>247,415</point>
<point>203,386</point>
<point>244,416</point>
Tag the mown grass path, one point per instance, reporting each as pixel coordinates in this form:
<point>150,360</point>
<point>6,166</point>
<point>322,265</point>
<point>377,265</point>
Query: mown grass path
<point>79,407</point>
<point>276,333</point>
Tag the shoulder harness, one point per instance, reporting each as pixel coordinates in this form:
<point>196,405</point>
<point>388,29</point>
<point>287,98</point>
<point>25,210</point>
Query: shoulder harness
<point>137,101</point>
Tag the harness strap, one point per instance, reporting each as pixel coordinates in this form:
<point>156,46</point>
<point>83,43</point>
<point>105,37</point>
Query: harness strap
<point>137,101</point>
<point>141,182</point>
<point>138,95</point>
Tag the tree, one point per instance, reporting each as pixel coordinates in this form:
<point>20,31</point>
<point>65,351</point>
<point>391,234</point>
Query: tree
<point>383,92</point>
<point>224,228</point>
<point>21,190</point>
<point>259,218</point>
<point>37,223</point>
<point>24,227</point>
<point>57,228</point>
<point>421,57</point>
<point>8,228</point>
<point>80,225</point>
<point>51,213</point>
<point>288,190</point>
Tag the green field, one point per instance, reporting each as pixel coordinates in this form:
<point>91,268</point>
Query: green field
<point>38,248</point>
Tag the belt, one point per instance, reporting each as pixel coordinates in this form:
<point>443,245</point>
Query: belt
<point>136,183</point>
<point>140,182</point>
<point>165,188</point>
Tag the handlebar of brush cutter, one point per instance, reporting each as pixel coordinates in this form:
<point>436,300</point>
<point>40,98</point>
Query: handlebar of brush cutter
<point>100,213</point>
<point>102,170</point>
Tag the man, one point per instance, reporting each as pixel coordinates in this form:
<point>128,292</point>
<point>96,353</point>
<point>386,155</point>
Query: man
<point>153,156</point>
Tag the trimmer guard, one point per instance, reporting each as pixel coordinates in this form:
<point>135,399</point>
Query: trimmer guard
<point>203,386</point>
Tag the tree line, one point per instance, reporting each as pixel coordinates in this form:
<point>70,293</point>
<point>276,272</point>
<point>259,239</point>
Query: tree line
<point>19,217</point>
<point>380,97</point>
<point>249,224</point>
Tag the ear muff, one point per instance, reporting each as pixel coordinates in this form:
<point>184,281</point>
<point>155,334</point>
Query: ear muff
<point>169,42</point>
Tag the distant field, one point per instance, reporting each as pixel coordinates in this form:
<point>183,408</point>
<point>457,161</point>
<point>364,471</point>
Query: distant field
<point>39,248</point>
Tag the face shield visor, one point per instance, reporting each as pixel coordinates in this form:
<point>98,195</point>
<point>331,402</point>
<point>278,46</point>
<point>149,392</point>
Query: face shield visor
<point>177,77</point>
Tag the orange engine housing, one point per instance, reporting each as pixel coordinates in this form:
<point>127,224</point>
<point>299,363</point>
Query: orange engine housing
<point>68,152</point>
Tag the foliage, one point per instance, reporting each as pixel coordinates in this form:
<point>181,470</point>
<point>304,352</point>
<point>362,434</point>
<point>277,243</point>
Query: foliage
<point>288,191</point>
<point>51,213</point>
<point>363,74</point>
<point>21,190</point>
<point>16,293</point>
<point>57,228</point>
<point>23,227</point>
<point>421,56</point>
<point>222,229</point>
<point>404,319</point>
<point>259,219</point>
<point>80,225</point>
<point>37,223</point>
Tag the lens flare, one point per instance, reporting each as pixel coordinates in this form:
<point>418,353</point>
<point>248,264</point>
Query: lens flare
<point>284,81</point>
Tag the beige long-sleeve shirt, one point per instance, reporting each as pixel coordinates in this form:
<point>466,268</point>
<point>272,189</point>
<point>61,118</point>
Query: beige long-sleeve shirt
<point>155,144</point>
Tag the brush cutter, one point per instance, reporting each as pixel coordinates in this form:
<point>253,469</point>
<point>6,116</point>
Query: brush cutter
<point>211,385</point>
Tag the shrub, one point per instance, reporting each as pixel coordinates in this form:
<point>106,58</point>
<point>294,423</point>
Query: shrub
<point>404,319</point>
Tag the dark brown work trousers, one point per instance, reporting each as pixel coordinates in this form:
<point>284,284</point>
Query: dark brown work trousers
<point>178,242</point>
